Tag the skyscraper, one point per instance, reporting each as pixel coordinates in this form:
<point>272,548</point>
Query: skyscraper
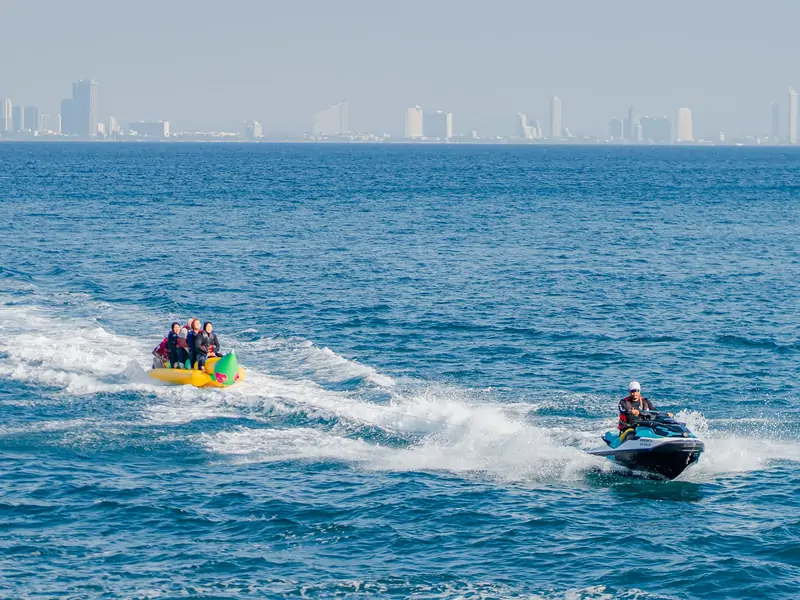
<point>331,120</point>
<point>792,133</point>
<point>616,130</point>
<point>51,123</point>
<point>68,122</point>
<point>5,116</point>
<point>556,130</point>
<point>413,128</point>
<point>683,126</point>
<point>521,129</point>
<point>525,130</point>
<point>633,129</point>
<point>84,99</point>
<point>17,119</point>
<point>253,130</point>
<point>775,133</point>
<point>439,125</point>
<point>33,119</point>
<point>656,130</point>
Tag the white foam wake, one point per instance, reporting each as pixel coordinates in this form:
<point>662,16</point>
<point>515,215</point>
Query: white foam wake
<point>730,451</point>
<point>432,427</point>
<point>446,430</point>
<point>298,358</point>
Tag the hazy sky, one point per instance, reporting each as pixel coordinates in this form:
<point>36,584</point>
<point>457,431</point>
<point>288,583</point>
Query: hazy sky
<point>210,64</point>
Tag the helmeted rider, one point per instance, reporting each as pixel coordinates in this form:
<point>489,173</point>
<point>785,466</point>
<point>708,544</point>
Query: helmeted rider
<point>631,406</point>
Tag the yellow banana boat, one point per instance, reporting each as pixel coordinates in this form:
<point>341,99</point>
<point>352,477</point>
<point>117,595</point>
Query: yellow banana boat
<point>220,372</point>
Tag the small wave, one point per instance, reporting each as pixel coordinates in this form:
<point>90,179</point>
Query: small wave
<point>9,273</point>
<point>744,342</point>
<point>654,339</point>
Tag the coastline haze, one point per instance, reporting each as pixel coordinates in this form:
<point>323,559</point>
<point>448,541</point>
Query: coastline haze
<point>203,68</point>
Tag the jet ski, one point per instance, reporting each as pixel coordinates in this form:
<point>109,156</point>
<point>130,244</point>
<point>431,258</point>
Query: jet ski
<point>658,444</point>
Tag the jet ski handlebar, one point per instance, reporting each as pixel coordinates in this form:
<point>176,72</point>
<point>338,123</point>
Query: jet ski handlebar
<point>649,414</point>
<point>654,418</point>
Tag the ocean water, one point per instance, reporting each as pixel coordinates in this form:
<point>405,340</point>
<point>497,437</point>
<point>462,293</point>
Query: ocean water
<point>433,337</point>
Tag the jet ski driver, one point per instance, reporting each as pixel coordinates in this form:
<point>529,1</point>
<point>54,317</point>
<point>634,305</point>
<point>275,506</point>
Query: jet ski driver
<point>631,406</point>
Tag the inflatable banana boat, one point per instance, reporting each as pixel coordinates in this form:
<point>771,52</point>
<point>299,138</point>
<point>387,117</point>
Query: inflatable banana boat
<point>220,372</point>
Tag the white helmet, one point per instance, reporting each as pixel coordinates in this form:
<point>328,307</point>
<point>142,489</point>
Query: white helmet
<point>634,386</point>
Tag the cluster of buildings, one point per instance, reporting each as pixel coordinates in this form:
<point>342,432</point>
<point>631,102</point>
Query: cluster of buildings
<point>332,123</point>
<point>432,125</point>
<point>529,130</point>
<point>638,129</point>
<point>78,119</point>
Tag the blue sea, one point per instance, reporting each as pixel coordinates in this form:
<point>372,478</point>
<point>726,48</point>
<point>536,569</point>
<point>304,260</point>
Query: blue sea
<point>433,336</point>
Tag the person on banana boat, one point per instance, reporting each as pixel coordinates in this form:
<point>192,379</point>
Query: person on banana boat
<point>161,355</point>
<point>206,345</point>
<point>194,329</point>
<point>183,349</point>
<point>172,344</point>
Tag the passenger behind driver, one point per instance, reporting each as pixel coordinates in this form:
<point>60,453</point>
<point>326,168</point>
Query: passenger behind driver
<point>172,344</point>
<point>194,330</point>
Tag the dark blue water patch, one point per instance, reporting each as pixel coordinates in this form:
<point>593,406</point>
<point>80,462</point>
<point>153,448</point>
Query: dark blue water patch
<point>734,340</point>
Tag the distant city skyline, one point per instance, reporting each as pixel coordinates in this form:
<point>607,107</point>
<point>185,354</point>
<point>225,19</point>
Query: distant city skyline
<point>203,66</point>
<point>78,118</point>
<point>79,115</point>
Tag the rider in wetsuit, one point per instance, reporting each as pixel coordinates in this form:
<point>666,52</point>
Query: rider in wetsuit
<point>631,406</point>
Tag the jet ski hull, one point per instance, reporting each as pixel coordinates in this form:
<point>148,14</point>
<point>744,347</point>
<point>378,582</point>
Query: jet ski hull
<point>668,458</point>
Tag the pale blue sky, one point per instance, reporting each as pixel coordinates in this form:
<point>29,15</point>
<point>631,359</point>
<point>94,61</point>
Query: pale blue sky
<point>208,64</point>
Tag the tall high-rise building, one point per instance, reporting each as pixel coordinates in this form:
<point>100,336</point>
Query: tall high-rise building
<point>33,119</point>
<point>633,129</point>
<point>332,120</point>
<point>526,130</point>
<point>521,129</point>
<point>253,130</point>
<point>616,130</point>
<point>792,133</point>
<point>17,119</point>
<point>113,126</point>
<point>775,132</point>
<point>439,125</point>
<point>656,130</point>
<point>556,130</point>
<point>51,123</point>
<point>5,116</point>
<point>413,128</point>
<point>68,122</point>
<point>683,126</point>
<point>84,99</point>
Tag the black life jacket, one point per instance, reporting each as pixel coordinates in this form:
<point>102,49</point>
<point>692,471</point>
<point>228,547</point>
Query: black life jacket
<point>624,420</point>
